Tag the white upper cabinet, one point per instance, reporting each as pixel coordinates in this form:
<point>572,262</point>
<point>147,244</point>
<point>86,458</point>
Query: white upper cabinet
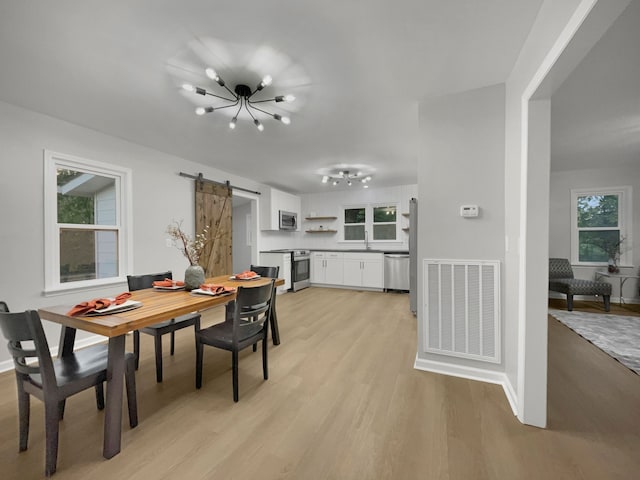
<point>271,202</point>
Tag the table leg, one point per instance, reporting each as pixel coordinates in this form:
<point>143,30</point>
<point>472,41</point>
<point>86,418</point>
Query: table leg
<point>113,406</point>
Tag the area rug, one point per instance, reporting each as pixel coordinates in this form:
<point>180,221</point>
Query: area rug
<point>617,335</point>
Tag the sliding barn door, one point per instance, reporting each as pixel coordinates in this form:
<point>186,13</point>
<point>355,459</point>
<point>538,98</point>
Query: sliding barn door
<point>213,210</point>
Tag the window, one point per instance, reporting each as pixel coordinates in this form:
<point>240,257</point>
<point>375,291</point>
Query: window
<point>86,222</point>
<point>601,224</point>
<point>354,223</point>
<point>384,223</point>
<point>370,223</point>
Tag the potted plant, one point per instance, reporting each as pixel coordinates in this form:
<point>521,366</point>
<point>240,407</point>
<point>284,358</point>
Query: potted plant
<point>191,248</point>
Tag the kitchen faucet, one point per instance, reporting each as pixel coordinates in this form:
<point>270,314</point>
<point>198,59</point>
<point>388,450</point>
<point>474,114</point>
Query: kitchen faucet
<point>366,240</point>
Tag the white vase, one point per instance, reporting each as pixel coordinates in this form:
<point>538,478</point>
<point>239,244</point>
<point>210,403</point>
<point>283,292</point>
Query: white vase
<point>193,277</point>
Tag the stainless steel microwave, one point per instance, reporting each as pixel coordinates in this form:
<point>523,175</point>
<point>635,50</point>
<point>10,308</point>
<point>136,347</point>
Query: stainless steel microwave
<point>288,220</point>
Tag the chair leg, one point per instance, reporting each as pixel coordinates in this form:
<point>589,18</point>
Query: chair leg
<point>24,408</point>
<point>158,343</point>
<point>199,354</point>
<point>100,395</point>
<point>569,302</point>
<point>173,342</point>
<point>234,363</point>
<point>136,347</point>
<point>607,302</point>
<point>132,399</point>
<point>265,366</point>
<point>51,433</point>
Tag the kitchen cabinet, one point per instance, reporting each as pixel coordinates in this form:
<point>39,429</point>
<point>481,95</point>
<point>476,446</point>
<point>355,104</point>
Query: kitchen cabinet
<point>327,268</point>
<point>282,260</point>
<point>272,201</point>
<point>363,270</point>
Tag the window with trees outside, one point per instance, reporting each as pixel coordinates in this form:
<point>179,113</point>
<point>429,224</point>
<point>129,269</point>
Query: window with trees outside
<point>601,224</point>
<point>371,223</point>
<point>86,222</point>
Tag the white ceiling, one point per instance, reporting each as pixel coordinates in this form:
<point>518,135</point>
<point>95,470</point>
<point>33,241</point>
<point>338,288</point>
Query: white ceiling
<point>358,67</point>
<point>595,113</point>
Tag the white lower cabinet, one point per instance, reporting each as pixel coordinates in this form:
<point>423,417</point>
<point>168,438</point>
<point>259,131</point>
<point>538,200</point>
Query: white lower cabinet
<point>326,268</point>
<point>282,260</point>
<point>348,269</point>
<point>364,270</point>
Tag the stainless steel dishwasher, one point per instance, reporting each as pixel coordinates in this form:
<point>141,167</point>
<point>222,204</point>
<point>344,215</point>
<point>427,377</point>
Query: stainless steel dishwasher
<point>396,271</point>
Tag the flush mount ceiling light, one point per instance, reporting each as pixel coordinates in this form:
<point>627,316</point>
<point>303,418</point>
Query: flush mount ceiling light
<point>348,177</point>
<point>241,97</point>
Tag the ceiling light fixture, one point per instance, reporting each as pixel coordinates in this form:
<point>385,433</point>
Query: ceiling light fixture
<point>348,177</point>
<point>242,95</point>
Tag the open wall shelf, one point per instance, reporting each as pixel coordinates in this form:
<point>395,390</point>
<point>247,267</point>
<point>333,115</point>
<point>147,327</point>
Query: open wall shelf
<point>321,218</point>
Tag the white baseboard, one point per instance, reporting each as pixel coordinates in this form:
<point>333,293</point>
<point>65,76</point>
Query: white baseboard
<point>487,376</point>
<point>7,365</point>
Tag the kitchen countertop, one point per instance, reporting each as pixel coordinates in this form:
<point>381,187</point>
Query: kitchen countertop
<point>358,250</point>
<point>343,250</point>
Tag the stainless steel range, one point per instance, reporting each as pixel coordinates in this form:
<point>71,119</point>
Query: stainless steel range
<point>300,268</point>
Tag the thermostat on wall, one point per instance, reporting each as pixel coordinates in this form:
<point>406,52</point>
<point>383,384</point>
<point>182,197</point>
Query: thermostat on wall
<point>469,211</point>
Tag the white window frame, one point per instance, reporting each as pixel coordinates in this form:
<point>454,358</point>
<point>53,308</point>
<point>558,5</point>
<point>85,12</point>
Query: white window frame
<point>344,225</point>
<point>123,177</point>
<point>368,222</point>
<point>624,220</point>
<point>396,222</point>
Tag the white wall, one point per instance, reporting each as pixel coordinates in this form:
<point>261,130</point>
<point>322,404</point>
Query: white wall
<point>241,243</point>
<point>461,162</point>
<point>526,346</point>
<point>330,204</point>
<point>160,195</point>
<point>560,217</point>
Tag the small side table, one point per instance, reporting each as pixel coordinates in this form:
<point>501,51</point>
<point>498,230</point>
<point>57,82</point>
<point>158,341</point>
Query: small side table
<point>622,277</point>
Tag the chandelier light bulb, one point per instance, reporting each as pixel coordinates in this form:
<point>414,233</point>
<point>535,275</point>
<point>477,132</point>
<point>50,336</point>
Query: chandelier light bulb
<point>365,186</point>
<point>211,73</point>
<point>232,123</point>
<point>349,182</point>
<point>368,179</point>
<point>325,179</point>
<point>286,120</point>
<point>266,80</point>
<point>289,98</point>
<point>259,126</point>
<point>188,87</point>
<point>200,111</point>
<point>335,182</point>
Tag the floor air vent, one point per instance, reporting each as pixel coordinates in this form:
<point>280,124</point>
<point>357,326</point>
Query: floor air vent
<point>462,308</point>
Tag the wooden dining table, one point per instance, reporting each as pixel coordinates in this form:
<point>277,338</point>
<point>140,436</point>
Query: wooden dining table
<point>157,306</point>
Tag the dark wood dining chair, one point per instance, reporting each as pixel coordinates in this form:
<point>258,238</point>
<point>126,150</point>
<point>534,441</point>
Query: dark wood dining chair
<point>139,282</point>
<point>249,325</point>
<point>271,272</point>
<point>54,380</point>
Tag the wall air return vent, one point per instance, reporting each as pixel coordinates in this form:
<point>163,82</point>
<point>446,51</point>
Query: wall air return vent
<point>462,308</point>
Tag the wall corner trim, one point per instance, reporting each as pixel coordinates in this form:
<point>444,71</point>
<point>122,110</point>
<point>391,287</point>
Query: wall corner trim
<point>471,373</point>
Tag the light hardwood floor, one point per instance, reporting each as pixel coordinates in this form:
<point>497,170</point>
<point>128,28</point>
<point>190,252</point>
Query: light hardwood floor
<point>344,402</point>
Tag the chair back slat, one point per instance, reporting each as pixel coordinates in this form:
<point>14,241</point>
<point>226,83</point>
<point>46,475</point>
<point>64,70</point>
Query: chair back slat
<point>27,327</point>
<point>140,282</point>
<point>268,272</point>
<point>250,303</point>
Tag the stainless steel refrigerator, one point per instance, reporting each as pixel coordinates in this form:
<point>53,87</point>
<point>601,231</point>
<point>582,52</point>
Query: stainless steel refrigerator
<point>413,255</point>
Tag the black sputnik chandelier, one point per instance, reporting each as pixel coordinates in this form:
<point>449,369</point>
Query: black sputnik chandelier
<point>243,97</point>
